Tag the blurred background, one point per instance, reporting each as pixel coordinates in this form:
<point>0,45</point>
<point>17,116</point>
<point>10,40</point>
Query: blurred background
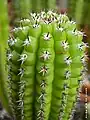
<point>77,10</point>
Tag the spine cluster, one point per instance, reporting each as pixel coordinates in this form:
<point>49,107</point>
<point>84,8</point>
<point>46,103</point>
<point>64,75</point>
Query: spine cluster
<point>46,59</point>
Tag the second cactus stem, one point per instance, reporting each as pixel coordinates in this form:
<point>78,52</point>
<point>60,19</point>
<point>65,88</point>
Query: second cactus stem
<point>46,59</point>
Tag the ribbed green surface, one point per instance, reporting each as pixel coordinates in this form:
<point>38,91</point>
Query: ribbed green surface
<point>21,8</point>
<point>3,46</point>
<point>46,59</point>
<point>79,10</point>
<point>86,15</point>
<point>71,8</point>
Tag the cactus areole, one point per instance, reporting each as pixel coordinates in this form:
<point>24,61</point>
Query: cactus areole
<point>46,60</point>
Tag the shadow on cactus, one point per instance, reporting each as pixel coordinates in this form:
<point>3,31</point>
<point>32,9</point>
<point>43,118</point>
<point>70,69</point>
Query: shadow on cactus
<point>46,60</point>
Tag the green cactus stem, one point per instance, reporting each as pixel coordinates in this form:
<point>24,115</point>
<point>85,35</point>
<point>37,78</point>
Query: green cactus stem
<point>21,9</point>
<point>79,11</point>
<point>86,15</point>
<point>71,8</point>
<point>3,46</point>
<point>46,59</point>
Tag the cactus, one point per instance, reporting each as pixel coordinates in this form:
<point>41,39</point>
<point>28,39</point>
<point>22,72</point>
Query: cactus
<point>21,9</point>
<point>76,10</point>
<point>79,10</point>
<point>3,46</point>
<point>71,8</point>
<point>46,59</point>
<point>86,15</point>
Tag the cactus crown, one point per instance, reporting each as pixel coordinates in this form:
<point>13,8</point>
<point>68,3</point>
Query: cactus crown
<point>46,57</point>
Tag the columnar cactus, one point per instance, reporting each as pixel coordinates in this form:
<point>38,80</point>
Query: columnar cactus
<point>86,15</point>
<point>71,8</point>
<point>46,59</point>
<point>78,10</point>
